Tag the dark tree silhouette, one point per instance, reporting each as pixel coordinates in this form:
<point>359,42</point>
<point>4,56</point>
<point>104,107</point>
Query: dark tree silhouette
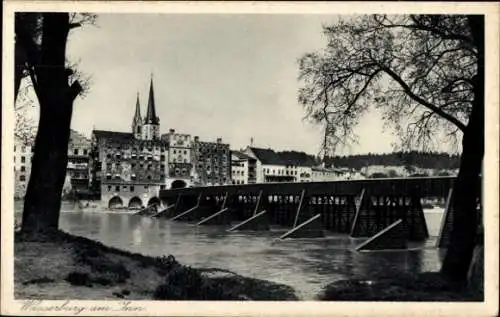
<point>41,54</point>
<point>426,73</point>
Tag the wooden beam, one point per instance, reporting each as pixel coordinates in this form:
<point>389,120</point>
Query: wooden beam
<point>257,205</point>
<point>258,221</point>
<point>295,223</point>
<point>358,210</point>
<point>308,229</point>
<point>211,219</point>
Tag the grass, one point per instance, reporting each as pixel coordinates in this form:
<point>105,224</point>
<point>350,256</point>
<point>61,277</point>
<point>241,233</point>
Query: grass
<point>64,266</point>
<point>403,287</point>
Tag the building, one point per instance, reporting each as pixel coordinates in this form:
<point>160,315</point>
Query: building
<point>211,162</point>
<point>23,152</point>
<point>129,168</point>
<point>272,167</point>
<point>243,168</point>
<point>78,161</point>
<point>77,172</point>
<point>323,174</point>
<point>179,158</point>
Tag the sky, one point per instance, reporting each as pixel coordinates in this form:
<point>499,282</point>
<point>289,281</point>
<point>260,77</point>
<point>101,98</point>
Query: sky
<point>230,76</point>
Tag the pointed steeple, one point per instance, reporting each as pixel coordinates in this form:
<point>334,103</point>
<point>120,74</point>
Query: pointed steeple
<point>137,120</point>
<point>137,115</point>
<point>151,117</point>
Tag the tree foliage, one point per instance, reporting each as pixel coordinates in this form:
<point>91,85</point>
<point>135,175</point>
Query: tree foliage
<point>426,74</point>
<point>417,69</point>
<point>437,161</point>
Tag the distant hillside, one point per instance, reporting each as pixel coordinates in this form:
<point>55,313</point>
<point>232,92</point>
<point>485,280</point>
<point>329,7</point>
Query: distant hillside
<point>437,161</point>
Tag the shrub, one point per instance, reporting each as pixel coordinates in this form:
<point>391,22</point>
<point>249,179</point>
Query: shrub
<point>79,279</point>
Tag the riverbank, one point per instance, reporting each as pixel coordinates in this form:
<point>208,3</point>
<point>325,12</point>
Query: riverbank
<point>71,267</point>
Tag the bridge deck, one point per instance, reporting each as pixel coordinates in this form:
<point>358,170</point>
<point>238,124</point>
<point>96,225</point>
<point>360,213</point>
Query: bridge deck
<point>425,186</point>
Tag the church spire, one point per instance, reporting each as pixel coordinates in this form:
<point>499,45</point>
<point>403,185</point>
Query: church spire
<point>137,121</point>
<point>151,117</point>
<point>137,115</point>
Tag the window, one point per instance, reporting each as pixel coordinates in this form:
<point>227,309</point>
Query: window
<point>14,148</point>
<point>162,157</point>
<point>124,187</point>
<point>132,188</point>
<point>23,159</point>
<point>22,178</point>
<point>162,167</point>
<point>23,168</point>
<point>23,149</point>
<point>117,188</point>
<point>75,151</point>
<point>185,152</point>
<point>175,151</point>
<point>149,177</point>
<point>162,186</point>
<point>109,188</point>
<point>108,176</point>
<point>108,156</point>
<point>145,187</point>
<point>14,158</point>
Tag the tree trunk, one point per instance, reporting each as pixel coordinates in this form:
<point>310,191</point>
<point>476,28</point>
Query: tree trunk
<point>43,197</point>
<point>468,186</point>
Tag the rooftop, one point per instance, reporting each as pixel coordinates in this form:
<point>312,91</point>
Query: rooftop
<point>270,157</point>
<point>122,137</point>
<point>240,155</point>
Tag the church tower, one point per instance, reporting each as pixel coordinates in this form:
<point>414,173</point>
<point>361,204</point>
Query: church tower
<point>137,121</point>
<point>151,128</point>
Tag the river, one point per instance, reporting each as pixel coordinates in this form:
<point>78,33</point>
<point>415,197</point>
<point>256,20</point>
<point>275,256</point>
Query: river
<point>304,264</point>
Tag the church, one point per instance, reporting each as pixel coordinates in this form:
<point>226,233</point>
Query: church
<point>130,168</point>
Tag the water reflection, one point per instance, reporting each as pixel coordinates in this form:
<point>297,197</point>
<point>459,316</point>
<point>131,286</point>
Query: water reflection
<point>305,264</point>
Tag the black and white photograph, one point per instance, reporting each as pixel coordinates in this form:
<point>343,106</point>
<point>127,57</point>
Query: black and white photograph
<point>249,154</point>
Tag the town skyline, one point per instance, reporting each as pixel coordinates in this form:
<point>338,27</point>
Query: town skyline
<point>211,78</point>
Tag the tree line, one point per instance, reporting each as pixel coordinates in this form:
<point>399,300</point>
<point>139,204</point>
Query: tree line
<point>428,160</point>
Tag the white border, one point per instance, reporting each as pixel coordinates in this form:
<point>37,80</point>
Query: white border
<point>304,308</point>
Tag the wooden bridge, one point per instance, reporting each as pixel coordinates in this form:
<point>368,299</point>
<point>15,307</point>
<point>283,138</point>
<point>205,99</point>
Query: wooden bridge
<point>360,208</point>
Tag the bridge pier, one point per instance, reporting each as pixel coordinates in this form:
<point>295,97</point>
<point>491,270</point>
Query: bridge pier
<point>305,225</point>
<point>189,210</point>
<point>257,222</point>
<point>166,212</point>
<point>391,238</point>
<point>376,212</point>
<point>221,217</point>
<point>446,222</point>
